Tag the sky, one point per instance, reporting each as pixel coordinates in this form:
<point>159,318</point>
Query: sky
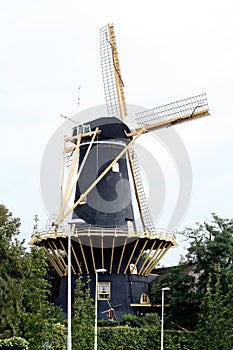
<point>169,50</point>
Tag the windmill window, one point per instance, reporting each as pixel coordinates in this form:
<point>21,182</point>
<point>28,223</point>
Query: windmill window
<point>144,299</point>
<point>85,128</point>
<point>104,290</point>
<point>116,168</point>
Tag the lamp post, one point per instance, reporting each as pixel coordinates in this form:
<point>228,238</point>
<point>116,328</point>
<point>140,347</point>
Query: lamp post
<point>163,290</point>
<point>69,336</point>
<point>96,303</point>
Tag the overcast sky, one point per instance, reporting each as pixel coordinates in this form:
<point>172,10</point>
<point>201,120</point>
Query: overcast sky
<point>169,50</point>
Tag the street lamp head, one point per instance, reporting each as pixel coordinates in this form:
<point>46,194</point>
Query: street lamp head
<point>100,270</point>
<point>166,288</point>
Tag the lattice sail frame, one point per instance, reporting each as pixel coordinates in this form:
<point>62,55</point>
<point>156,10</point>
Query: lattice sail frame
<point>174,112</point>
<point>113,84</point>
<point>146,219</point>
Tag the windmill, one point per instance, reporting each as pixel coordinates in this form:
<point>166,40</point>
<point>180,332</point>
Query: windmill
<point>102,161</point>
<point>111,311</point>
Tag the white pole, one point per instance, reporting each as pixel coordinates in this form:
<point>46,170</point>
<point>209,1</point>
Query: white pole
<point>163,289</point>
<point>69,337</point>
<point>96,304</point>
<point>162,320</point>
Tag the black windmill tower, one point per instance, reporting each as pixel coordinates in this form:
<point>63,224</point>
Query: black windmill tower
<point>103,228</point>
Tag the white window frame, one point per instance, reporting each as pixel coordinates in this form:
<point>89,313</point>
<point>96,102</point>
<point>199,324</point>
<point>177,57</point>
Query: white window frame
<point>106,293</point>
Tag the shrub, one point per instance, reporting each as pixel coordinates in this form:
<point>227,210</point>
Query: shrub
<point>131,320</point>
<point>15,343</point>
<point>143,338</point>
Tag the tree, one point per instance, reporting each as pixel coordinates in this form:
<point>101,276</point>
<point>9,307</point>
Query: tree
<point>212,244</point>
<point>25,307</point>
<point>211,250</point>
<point>37,308</point>
<point>12,273</point>
<point>181,302</point>
<point>40,316</point>
<point>83,317</point>
<point>214,330</point>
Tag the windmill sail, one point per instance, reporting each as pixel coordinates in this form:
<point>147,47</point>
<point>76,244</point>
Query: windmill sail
<point>113,84</point>
<point>174,113</point>
<point>146,219</point>
<point>116,106</point>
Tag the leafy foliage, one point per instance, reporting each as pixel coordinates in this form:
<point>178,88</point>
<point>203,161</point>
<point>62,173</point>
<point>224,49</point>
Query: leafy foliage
<point>12,274</point>
<point>57,337</point>
<point>25,309</point>
<point>38,319</point>
<point>15,343</point>
<point>151,319</point>
<point>214,329</point>
<point>211,246</point>
<point>211,250</point>
<point>147,320</point>
<point>83,317</point>
<point>131,320</point>
<point>181,302</point>
<point>142,338</point>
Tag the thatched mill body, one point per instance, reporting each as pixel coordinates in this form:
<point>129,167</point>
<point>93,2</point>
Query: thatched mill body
<point>103,227</point>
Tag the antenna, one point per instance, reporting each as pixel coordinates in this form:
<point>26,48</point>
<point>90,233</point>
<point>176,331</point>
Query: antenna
<point>70,119</point>
<point>87,127</point>
<point>79,99</point>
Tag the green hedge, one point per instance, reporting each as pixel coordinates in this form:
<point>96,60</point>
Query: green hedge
<point>127,338</point>
<point>15,343</point>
